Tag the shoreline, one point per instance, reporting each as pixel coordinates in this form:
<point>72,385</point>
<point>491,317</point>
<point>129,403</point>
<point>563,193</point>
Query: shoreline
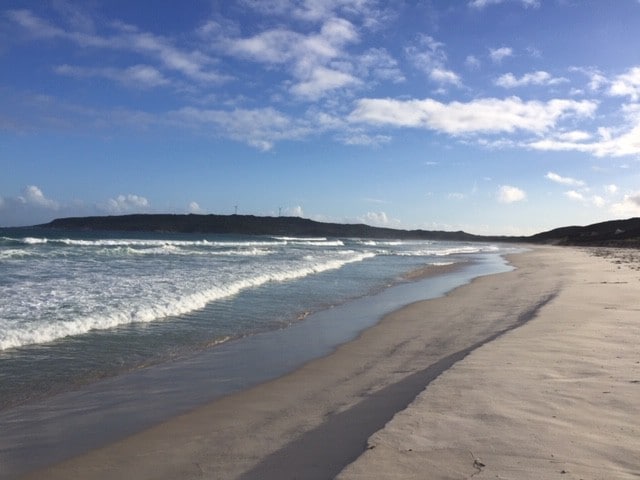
<point>70,424</point>
<point>349,394</point>
<point>556,398</point>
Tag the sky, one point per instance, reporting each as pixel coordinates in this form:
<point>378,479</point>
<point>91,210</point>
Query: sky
<point>489,116</point>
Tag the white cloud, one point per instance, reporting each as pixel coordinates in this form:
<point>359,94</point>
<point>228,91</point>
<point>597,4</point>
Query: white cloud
<point>193,207</point>
<point>368,11</point>
<point>509,194</point>
<point>30,207</point>
<point>428,55</point>
<point>379,219</point>
<point>306,56</point>
<point>488,115</point>
<point>33,196</point>
<point>125,204</point>
<point>259,128</point>
<point>377,63</point>
<point>322,80</point>
<point>596,81</point>
<point>472,62</point>
<point>628,206</point>
<point>193,64</point>
<point>627,84</point>
<point>485,3</point>
<point>440,75</point>
<point>499,54</point>
<point>136,76</point>
<point>457,196</point>
<point>573,136</point>
<point>598,201</point>
<point>364,139</point>
<point>575,195</point>
<point>554,177</point>
<point>611,189</point>
<point>540,77</point>
<point>293,211</point>
<point>626,143</point>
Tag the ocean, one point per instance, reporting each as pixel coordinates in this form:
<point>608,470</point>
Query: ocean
<point>81,311</point>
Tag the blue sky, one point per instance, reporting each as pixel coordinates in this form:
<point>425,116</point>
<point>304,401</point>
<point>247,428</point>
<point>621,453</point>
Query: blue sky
<point>490,116</point>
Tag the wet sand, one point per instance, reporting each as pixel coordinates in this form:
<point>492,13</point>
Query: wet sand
<point>351,406</point>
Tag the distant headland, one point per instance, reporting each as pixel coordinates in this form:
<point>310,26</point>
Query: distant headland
<point>622,233</point>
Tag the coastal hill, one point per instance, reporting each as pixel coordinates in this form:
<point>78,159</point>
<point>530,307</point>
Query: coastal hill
<point>246,225</point>
<point>623,233</point>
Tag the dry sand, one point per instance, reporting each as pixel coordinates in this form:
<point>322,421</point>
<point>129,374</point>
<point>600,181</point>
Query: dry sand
<point>557,394</point>
<point>557,398</point>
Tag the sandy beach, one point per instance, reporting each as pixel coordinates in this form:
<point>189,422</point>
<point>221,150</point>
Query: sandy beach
<point>533,373</point>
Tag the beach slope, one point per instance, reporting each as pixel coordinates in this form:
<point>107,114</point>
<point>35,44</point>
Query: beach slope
<point>557,398</point>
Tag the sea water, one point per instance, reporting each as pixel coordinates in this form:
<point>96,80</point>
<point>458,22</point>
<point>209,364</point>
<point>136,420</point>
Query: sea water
<point>103,334</point>
<point>79,306</point>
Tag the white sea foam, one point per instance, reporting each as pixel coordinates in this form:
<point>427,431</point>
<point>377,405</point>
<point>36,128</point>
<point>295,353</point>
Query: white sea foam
<point>33,240</point>
<point>14,253</point>
<point>445,252</point>
<point>97,316</point>
<point>51,288</point>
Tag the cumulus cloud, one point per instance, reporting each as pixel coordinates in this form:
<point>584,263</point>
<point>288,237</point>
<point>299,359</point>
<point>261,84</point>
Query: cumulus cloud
<point>575,195</point>
<point>627,84</point>
<point>380,219</point>
<point>259,128</point>
<point>31,206</point>
<point>308,57</point>
<point>125,204</point>
<point>554,177</point>
<point>598,201</point>
<point>608,143</point>
<point>488,115</point>
<point>628,206</point>
<point>380,65</point>
<point>611,189</point>
<point>509,80</point>
<point>441,75</point>
<point>573,136</point>
<point>296,211</point>
<point>472,62</point>
<point>321,80</point>
<point>509,194</point>
<point>499,54</point>
<point>193,207</point>
<point>428,55</point>
<point>33,196</point>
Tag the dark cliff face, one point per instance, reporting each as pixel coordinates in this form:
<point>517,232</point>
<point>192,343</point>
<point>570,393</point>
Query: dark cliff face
<point>620,233</point>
